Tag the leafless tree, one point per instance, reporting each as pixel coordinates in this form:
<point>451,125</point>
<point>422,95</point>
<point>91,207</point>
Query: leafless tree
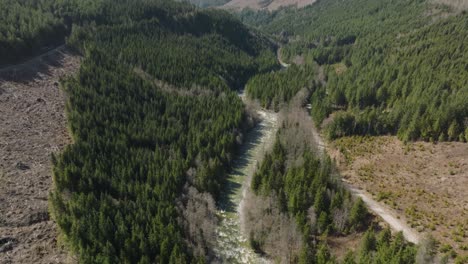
<point>198,211</point>
<point>298,132</point>
<point>275,231</point>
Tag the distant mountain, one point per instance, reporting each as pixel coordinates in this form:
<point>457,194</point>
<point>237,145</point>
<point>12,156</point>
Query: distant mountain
<point>265,4</point>
<point>208,3</point>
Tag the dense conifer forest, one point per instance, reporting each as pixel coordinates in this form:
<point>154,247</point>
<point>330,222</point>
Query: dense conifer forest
<point>30,27</point>
<point>156,120</point>
<point>392,67</point>
<point>153,112</point>
<point>275,89</point>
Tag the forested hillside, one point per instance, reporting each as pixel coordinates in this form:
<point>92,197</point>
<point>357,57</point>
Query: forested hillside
<point>274,89</point>
<point>156,120</point>
<point>29,27</point>
<point>298,189</point>
<point>321,207</point>
<point>153,113</point>
<point>392,67</point>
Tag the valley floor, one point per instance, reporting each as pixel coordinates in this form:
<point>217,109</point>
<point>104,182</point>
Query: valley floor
<point>232,243</point>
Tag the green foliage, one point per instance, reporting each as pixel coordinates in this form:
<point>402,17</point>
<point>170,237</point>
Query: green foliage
<point>308,187</point>
<point>276,88</point>
<point>323,255</point>
<point>27,27</point>
<point>151,110</point>
<point>349,258</point>
<point>384,249</point>
<point>308,191</point>
<point>406,71</point>
<point>359,214</point>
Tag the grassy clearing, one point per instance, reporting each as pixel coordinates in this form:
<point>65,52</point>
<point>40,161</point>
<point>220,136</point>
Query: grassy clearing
<point>426,183</point>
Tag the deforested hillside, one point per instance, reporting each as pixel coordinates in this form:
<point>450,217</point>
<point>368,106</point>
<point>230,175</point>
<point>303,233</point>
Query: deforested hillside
<point>33,126</point>
<point>391,67</point>
<point>153,113</point>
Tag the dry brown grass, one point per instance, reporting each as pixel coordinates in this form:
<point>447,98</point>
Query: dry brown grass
<point>426,183</point>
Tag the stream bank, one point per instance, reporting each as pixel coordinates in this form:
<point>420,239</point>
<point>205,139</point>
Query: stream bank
<point>232,245</point>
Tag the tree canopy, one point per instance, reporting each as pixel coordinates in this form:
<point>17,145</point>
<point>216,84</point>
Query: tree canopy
<point>152,111</point>
<point>391,67</point>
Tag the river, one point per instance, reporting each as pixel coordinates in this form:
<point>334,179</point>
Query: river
<point>232,245</point>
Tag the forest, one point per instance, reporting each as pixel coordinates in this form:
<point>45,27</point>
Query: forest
<point>274,89</point>
<point>389,67</point>
<point>156,120</point>
<point>30,27</point>
<point>151,120</point>
<point>300,203</point>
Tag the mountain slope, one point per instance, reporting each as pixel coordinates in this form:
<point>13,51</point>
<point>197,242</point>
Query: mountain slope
<point>155,123</point>
<point>390,67</point>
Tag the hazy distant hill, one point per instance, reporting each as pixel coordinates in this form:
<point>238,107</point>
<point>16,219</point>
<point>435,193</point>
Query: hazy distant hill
<point>265,4</point>
<point>208,3</point>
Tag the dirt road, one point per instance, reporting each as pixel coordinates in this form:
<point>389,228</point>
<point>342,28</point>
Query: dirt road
<point>386,213</point>
<point>278,55</point>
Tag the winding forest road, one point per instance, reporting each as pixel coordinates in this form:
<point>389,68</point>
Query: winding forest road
<point>386,213</point>
<point>278,55</point>
<point>232,245</point>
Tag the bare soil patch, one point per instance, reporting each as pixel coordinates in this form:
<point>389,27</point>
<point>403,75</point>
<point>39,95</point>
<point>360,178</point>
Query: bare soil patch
<point>271,5</point>
<point>426,183</point>
<point>33,125</point>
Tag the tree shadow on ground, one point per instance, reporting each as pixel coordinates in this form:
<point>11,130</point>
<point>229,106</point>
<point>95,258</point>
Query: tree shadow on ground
<point>243,159</point>
<point>34,68</point>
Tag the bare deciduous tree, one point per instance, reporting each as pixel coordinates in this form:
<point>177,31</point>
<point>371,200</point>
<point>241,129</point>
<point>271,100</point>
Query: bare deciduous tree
<point>198,211</point>
<point>275,232</point>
